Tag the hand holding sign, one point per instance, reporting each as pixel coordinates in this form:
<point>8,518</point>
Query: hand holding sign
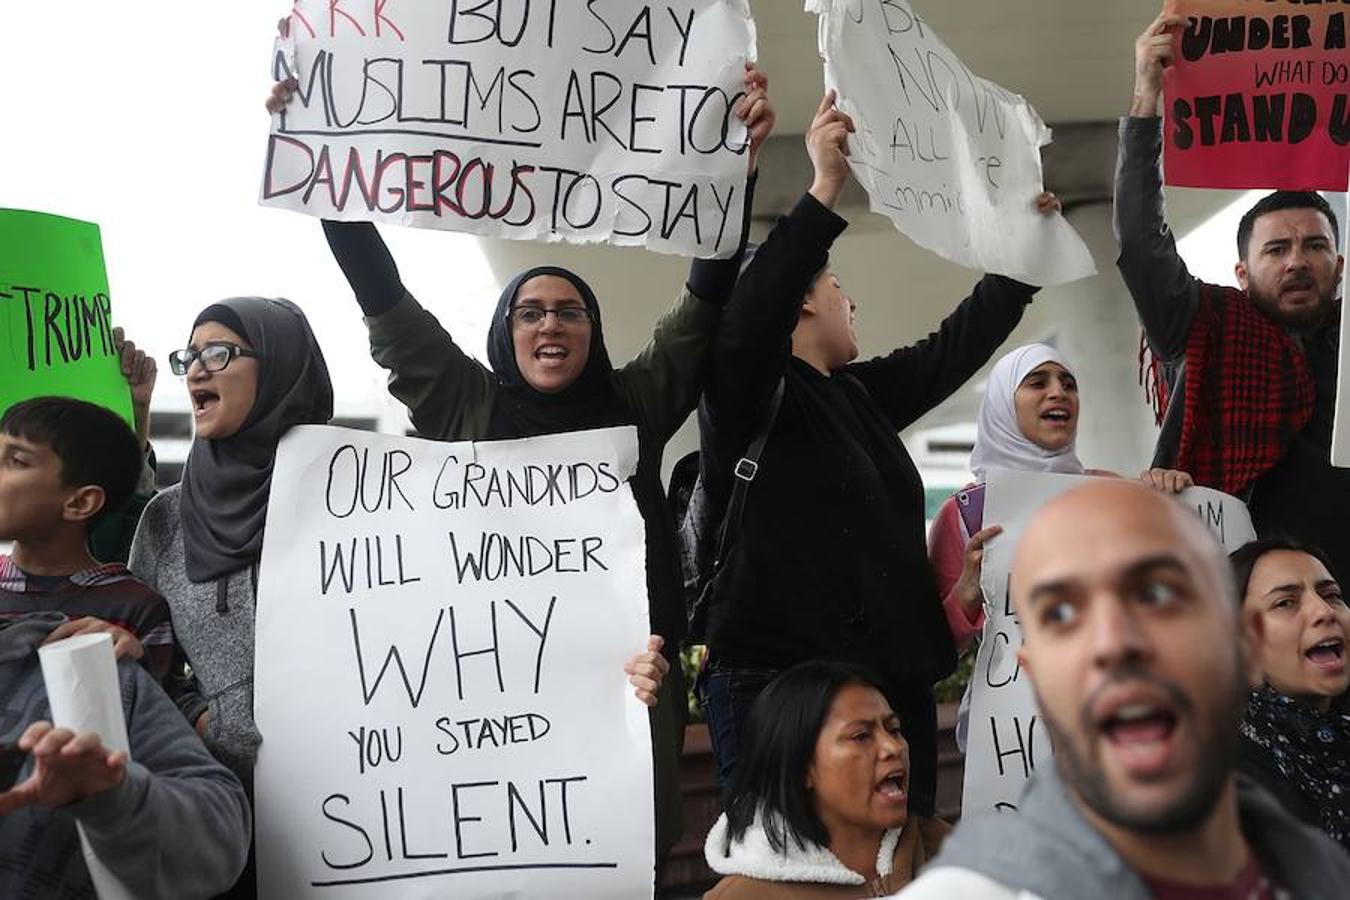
<point>827,145</point>
<point>647,670</point>
<point>139,369</point>
<point>1154,51</point>
<point>756,112</point>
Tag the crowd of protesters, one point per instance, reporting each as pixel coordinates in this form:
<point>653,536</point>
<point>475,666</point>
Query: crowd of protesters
<point>1199,707</point>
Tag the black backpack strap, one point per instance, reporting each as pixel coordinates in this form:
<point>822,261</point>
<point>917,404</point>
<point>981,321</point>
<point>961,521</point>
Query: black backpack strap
<point>744,473</point>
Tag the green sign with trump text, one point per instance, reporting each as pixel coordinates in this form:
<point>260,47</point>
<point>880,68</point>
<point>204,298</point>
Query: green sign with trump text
<point>56,331</point>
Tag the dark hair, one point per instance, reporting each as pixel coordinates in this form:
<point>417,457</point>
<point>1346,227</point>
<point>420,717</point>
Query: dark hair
<point>748,256</point>
<point>777,746</point>
<point>1283,200</point>
<point>95,446</point>
<point>1245,558</point>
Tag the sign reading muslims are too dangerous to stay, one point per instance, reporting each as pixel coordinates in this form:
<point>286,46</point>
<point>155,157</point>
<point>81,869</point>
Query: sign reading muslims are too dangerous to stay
<point>578,120</point>
<point>441,635</point>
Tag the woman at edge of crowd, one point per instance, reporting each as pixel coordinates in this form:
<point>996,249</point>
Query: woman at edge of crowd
<point>818,806</point>
<point>549,372</point>
<point>1028,422</point>
<point>1295,731</point>
<point>829,559</point>
<point>254,370</point>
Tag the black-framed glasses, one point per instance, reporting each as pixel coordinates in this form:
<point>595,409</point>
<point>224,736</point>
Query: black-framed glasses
<point>214,356</point>
<point>534,316</point>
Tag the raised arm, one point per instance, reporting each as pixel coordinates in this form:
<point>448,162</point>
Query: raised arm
<point>664,381</point>
<point>912,380</point>
<point>754,344</point>
<point>1164,293</point>
<point>446,391</point>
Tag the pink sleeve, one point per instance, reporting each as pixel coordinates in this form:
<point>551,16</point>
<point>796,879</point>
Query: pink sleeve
<point>946,551</point>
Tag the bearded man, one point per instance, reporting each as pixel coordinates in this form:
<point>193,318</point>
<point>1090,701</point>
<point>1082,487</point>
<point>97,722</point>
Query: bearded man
<point>1132,643</point>
<point>1247,377</point>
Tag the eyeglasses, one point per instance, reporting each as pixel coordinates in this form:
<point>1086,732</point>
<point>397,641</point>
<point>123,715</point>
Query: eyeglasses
<point>534,316</point>
<point>214,356</point>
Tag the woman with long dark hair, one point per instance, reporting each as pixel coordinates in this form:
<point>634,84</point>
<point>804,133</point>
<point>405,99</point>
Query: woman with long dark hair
<point>818,806</point>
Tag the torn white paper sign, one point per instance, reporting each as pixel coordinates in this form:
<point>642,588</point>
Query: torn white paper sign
<point>952,159</point>
<point>604,121</point>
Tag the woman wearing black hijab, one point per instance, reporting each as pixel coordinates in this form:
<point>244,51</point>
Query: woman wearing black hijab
<point>550,373</point>
<point>254,370</point>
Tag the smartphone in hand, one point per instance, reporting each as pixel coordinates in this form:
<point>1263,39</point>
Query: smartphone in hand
<point>11,761</point>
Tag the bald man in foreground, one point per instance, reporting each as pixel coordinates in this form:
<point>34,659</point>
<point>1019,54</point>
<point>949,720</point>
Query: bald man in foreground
<point>1131,640</point>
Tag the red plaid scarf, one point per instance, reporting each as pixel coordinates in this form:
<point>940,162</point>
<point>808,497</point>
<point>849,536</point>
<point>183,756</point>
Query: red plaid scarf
<point>1248,392</point>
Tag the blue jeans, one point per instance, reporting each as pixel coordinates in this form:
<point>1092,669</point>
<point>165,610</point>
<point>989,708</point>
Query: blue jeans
<point>726,696</point>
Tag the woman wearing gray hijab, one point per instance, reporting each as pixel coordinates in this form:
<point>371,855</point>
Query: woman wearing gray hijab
<point>254,370</point>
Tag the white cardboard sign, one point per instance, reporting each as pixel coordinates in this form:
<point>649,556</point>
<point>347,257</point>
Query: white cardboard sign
<point>578,120</point>
<point>441,634</point>
<point>952,159</point>
<point>1340,432</point>
<point>1007,741</point>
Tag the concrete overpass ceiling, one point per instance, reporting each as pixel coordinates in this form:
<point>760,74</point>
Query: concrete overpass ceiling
<point>1074,61</point>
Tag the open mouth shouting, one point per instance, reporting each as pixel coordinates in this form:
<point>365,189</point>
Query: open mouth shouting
<point>1138,726</point>
<point>1328,655</point>
<point>891,787</point>
<point>1298,289</point>
<point>1057,416</point>
<point>551,354</point>
<point>204,401</point>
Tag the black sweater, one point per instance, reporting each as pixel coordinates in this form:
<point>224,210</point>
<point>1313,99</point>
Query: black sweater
<point>830,559</point>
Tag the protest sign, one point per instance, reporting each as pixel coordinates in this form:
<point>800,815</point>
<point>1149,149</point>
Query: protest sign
<point>441,635</point>
<point>1258,95</point>
<point>579,120</point>
<point>1340,432</point>
<point>1007,740</point>
<point>55,313</point>
<point>952,159</point>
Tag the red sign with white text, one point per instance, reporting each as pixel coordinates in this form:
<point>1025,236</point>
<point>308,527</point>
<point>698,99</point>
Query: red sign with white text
<point>1258,95</point>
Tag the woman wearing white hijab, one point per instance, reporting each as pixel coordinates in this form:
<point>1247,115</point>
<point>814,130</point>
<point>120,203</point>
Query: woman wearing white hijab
<point>1028,422</point>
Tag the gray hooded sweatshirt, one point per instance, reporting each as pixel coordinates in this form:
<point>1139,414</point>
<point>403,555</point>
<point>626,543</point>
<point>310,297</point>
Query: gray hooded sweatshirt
<point>176,827</point>
<point>1046,849</point>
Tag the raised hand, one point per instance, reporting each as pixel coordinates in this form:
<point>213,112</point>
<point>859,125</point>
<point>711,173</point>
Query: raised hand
<point>139,369</point>
<point>827,144</point>
<point>1154,51</point>
<point>756,111</point>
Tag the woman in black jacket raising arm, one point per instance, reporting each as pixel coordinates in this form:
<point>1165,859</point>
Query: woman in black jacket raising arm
<point>829,558</point>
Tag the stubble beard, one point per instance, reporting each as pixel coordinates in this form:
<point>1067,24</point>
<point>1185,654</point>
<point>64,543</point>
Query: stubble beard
<point>1197,798</point>
<point>1300,320</point>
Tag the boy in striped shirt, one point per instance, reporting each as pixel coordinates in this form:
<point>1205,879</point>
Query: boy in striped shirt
<point>63,464</point>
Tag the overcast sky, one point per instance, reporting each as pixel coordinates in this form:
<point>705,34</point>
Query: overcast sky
<point>147,117</point>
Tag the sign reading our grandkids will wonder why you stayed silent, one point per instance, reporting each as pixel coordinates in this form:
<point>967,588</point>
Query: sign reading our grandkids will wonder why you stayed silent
<point>441,635</point>
<point>56,330</point>
<point>953,160</point>
<point>1007,740</point>
<point>577,120</point>
<point>1259,95</point>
